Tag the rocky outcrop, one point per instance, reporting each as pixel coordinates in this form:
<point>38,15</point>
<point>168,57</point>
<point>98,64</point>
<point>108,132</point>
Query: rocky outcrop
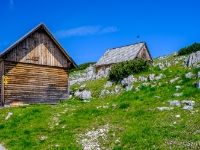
<point>85,95</point>
<point>189,75</point>
<point>193,59</point>
<point>128,81</point>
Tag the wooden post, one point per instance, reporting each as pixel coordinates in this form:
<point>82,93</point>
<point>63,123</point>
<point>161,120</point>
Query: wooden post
<point>2,83</point>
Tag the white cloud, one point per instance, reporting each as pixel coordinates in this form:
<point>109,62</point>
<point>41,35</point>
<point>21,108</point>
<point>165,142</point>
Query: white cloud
<point>11,3</point>
<point>108,30</point>
<point>80,31</point>
<point>84,31</point>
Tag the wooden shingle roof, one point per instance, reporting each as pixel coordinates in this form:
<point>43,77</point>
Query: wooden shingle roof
<point>120,54</point>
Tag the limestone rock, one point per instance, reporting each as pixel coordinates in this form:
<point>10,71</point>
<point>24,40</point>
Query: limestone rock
<point>173,80</point>
<point>161,66</point>
<point>189,75</point>
<point>85,95</point>
<point>117,89</point>
<point>145,84</point>
<point>102,93</point>
<point>108,84</point>
<point>160,76</point>
<point>128,81</point>
<point>177,87</point>
<point>77,93</point>
<point>188,107</point>
<point>141,78</point>
<point>174,103</point>
<point>198,85</point>
<point>188,102</point>
<point>193,59</point>
<point>107,92</point>
<point>129,87</point>
<point>151,77</point>
<point>164,108</point>
<point>73,82</point>
<point>2,147</point>
<point>80,80</point>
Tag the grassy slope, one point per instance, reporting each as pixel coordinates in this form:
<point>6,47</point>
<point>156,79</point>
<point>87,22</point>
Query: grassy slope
<point>135,121</point>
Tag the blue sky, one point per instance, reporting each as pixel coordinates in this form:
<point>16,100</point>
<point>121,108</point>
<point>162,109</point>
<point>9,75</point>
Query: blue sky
<point>86,29</point>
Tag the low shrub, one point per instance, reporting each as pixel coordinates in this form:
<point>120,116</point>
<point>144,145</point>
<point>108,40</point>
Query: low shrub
<point>190,49</point>
<point>124,69</point>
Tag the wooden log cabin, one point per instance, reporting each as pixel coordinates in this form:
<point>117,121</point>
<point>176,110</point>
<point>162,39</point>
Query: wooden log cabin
<point>35,69</point>
<point>120,54</point>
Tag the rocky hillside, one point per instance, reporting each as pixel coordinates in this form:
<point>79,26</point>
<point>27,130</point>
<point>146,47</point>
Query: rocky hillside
<point>156,109</point>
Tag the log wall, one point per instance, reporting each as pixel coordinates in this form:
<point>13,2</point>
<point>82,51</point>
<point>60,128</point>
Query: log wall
<point>33,83</point>
<point>38,48</point>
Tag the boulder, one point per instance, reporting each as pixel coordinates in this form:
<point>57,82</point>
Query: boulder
<point>141,78</point>
<point>167,64</point>
<point>160,76</point>
<point>77,93</point>
<point>145,84</point>
<point>177,87</point>
<point>174,103</point>
<point>189,75</point>
<point>198,85</point>
<point>129,87</point>
<point>188,107</point>
<point>188,102</point>
<point>73,82</point>
<point>173,80</point>
<point>151,77</point>
<point>108,84</point>
<point>117,89</point>
<point>128,81</point>
<point>80,80</point>
<point>161,66</point>
<point>164,108</point>
<point>107,92</point>
<point>193,59</point>
<point>85,95</point>
<point>102,93</point>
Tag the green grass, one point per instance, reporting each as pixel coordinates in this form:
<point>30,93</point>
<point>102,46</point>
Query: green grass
<point>132,117</point>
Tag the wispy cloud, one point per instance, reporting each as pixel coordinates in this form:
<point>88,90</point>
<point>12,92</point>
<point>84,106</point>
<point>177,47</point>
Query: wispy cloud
<point>11,3</point>
<point>108,30</point>
<point>84,31</point>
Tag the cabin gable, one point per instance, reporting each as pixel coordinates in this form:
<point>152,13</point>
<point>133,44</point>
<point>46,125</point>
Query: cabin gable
<point>37,48</point>
<point>144,53</point>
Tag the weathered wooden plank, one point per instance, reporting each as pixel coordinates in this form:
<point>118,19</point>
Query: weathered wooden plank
<point>29,81</point>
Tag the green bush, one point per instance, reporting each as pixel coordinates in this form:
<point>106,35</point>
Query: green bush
<point>190,49</point>
<point>124,69</point>
<point>83,66</point>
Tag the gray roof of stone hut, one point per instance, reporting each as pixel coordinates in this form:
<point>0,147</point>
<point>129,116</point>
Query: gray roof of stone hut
<point>120,54</point>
